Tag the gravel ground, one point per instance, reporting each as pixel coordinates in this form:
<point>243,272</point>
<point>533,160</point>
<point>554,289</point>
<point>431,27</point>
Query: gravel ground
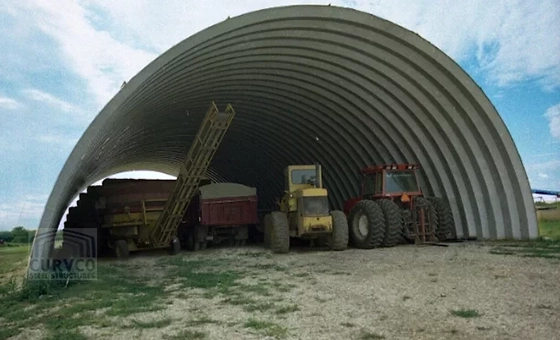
<point>405,292</point>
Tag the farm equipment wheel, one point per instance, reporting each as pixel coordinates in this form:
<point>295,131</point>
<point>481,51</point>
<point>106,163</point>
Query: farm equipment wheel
<point>121,249</point>
<point>444,217</point>
<point>338,240</point>
<point>266,232</point>
<point>174,245</point>
<point>279,232</point>
<point>393,222</point>
<point>366,225</point>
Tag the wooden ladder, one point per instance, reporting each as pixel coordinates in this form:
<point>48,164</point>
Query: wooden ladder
<point>210,134</point>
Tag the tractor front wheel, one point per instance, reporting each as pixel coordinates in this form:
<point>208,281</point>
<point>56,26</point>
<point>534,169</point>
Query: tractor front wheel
<point>279,232</point>
<point>338,239</point>
<point>367,225</point>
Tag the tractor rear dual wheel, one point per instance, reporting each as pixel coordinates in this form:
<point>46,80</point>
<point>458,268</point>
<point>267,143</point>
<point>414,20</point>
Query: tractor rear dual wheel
<point>445,224</point>
<point>367,225</point>
<point>393,222</point>
<point>279,232</point>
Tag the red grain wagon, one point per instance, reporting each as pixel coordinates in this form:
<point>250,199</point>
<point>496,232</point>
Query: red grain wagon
<point>220,212</point>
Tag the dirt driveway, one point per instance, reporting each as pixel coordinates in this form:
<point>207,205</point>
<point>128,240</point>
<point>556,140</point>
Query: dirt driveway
<point>406,292</point>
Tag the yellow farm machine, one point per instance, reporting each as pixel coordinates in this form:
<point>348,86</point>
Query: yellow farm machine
<point>303,212</point>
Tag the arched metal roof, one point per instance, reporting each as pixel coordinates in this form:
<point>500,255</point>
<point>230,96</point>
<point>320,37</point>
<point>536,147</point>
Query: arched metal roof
<point>314,83</point>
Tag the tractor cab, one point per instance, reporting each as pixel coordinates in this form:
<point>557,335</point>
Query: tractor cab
<point>397,182</point>
<point>304,190</point>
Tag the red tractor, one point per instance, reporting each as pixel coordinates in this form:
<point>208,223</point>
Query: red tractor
<point>392,207</point>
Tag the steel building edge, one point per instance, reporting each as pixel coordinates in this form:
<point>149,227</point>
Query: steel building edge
<point>475,165</point>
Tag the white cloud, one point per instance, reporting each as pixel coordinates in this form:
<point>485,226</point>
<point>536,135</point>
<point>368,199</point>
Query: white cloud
<point>57,139</point>
<point>513,39</point>
<point>109,42</point>
<point>17,212</point>
<point>553,116</point>
<point>9,103</point>
<point>541,175</point>
<point>49,99</point>
<point>92,54</point>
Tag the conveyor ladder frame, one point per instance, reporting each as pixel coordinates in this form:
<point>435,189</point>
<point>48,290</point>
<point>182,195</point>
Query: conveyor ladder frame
<point>210,134</point>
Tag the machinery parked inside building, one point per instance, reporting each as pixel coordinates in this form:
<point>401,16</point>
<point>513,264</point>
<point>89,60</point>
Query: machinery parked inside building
<point>220,212</point>
<point>127,220</point>
<point>393,207</point>
<point>304,212</point>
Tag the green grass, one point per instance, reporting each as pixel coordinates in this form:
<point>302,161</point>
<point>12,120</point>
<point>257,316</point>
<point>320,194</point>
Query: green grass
<point>60,309</point>
<point>267,328</point>
<point>370,336</point>
<point>550,229</point>
<point>466,313</point>
<point>11,258</point>
<point>124,290</point>
<point>205,274</point>
<point>287,309</point>
<point>186,335</point>
<point>549,249</point>
<point>150,324</point>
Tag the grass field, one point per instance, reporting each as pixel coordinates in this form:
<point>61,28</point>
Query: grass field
<point>12,258</point>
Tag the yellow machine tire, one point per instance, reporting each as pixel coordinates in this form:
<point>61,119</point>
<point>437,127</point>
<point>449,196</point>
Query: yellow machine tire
<point>280,233</point>
<point>393,222</point>
<point>338,239</point>
<point>366,225</point>
<point>267,230</point>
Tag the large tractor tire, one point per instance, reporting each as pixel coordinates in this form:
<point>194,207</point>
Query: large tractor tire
<point>267,230</point>
<point>367,225</point>
<point>445,223</point>
<point>338,240</point>
<point>393,222</point>
<point>279,232</point>
<point>431,211</point>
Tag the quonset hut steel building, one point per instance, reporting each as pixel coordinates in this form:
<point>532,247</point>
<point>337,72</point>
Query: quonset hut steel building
<point>313,83</point>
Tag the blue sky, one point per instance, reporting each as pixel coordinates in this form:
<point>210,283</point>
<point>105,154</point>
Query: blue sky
<point>61,61</point>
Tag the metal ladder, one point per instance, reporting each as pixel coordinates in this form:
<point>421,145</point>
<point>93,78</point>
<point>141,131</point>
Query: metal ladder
<point>210,134</point>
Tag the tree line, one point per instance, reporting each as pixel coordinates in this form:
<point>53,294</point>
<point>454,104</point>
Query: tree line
<point>17,235</point>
